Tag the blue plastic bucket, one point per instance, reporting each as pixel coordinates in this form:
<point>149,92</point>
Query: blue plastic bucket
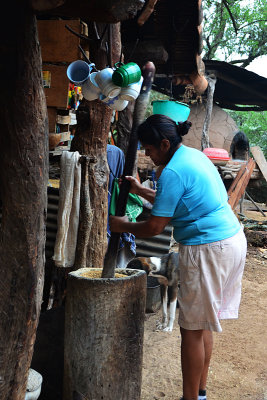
<point>177,111</point>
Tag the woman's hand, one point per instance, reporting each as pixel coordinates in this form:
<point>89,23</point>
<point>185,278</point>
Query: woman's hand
<point>135,185</point>
<point>117,224</point>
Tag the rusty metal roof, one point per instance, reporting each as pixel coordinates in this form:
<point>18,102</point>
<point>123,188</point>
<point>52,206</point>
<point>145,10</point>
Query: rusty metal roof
<point>235,87</point>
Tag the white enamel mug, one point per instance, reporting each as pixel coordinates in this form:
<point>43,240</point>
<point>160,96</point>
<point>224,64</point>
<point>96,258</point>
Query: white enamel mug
<point>104,80</point>
<point>90,89</point>
<point>132,91</point>
<point>79,71</point>
<point>116,103</point>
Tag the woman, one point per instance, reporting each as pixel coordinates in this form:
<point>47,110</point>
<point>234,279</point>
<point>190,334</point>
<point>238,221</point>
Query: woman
<point>212,246</point>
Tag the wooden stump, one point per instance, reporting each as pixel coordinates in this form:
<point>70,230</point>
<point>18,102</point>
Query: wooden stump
<point>104,331</point>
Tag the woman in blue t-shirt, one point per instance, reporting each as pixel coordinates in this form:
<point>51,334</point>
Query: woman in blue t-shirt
<point>212,247</point>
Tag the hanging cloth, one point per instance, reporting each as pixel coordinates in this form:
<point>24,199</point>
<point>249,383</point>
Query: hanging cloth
<point>68,209</point>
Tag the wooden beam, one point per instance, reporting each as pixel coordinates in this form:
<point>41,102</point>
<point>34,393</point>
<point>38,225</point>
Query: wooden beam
<point>260,160</point>
<point>106,11</point>
<point>238,186</point>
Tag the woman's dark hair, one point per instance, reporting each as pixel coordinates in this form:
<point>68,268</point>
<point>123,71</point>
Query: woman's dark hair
<point>158,127</point>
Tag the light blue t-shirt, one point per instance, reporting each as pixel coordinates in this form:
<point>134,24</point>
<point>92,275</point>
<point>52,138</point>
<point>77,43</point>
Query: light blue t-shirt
<point>191,192</point>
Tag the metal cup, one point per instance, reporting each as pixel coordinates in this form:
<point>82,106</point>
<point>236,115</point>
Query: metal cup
<point>79,71</point>
<point>126,74</point>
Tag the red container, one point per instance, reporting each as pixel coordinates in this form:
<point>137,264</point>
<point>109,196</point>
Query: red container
<point>217,156</point>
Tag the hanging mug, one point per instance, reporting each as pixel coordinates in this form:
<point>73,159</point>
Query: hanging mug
<point>90,89</point>
<point>79,71</point>
<point>131,92</point>
<point>116,103</point>
<point>104,80</point>
<point>126,74</point>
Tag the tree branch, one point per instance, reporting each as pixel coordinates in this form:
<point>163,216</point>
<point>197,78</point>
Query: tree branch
<point>251,23</point>
<point>231,15</point>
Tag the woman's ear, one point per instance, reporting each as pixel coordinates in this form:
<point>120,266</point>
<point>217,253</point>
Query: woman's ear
<point>165,145</point>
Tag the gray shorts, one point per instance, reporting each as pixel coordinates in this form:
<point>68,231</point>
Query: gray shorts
<point>210,282</point>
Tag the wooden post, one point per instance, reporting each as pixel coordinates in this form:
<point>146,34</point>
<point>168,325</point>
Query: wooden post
<point>23,182</point>
<point>260,160</point>
<point>93,124</point>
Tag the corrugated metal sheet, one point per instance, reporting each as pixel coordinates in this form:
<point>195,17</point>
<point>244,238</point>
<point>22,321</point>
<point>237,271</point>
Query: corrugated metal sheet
<point>51,225</point>
<point>154,246</point>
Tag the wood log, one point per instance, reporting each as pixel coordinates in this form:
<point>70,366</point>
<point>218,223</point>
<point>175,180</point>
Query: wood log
<point>106,11</point>
<point>44,5</point>
<point>104,339</point>
<point>149,8</point>
<point>23,182</point>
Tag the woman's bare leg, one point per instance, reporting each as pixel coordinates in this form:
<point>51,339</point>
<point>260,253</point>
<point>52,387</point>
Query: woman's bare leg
<point>208,344</point>
<point>192,360</point>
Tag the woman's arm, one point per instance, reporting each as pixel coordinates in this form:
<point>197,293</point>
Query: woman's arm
<point>137,188</point>
<point>151,227</point>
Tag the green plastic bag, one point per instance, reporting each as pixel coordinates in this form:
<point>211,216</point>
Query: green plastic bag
<point>134,205</point>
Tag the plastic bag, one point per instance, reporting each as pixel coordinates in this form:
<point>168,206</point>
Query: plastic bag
<point>134,206</point>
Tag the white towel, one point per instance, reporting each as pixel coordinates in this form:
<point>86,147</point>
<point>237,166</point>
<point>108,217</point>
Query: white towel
<point>68,209</point>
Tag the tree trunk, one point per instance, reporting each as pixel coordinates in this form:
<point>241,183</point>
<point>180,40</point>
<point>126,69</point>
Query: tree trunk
<point>93,124</point>
<point>23,181</point>
<point>104,340</point>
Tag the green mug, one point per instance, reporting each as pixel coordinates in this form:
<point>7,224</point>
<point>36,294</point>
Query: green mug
<point>126,74</point>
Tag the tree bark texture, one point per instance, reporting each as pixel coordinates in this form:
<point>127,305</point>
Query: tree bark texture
<point>104,340</point>
<point>93,125</point>
<point>91,140</point>
<point>23,182</point>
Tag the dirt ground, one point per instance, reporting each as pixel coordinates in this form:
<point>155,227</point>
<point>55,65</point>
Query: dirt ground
<point>238,367</point>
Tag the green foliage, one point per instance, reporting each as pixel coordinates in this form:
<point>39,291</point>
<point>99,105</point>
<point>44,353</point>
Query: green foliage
<point>254,124</point>
<point>235,31</point>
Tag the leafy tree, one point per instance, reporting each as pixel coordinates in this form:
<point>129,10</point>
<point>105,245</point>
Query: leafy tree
<point>235,31</point>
